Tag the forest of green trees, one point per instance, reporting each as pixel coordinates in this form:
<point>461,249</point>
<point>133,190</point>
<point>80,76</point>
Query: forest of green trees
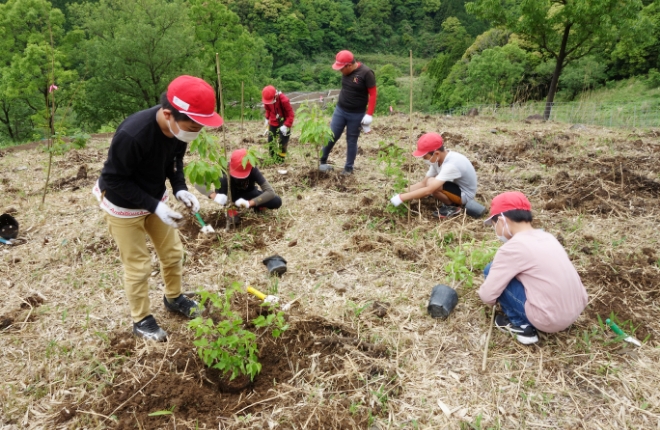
<point>110,58</point>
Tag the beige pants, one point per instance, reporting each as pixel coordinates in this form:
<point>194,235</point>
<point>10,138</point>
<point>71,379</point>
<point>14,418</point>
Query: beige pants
<point>129,234</point>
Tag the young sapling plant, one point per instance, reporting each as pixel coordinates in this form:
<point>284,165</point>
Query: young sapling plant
<point>314,128</point>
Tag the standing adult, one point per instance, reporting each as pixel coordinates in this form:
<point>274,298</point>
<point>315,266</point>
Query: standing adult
<point>279,119</point>
<point>451,177</point>
<point>354,110</point>
<point>148,148</point>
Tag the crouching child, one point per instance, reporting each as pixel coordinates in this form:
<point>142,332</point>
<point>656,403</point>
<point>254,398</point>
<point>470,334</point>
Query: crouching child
<point>531,276</point>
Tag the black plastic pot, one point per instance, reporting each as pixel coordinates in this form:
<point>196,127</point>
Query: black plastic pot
<point>443,300</point>
<point>8,227</point>
<point>276,265</point>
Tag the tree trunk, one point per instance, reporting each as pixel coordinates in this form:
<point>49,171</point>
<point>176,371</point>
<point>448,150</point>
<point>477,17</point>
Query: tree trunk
<point>555,76</point>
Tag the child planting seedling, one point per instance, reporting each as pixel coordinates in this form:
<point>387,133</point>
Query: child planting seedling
<point>451,178</point>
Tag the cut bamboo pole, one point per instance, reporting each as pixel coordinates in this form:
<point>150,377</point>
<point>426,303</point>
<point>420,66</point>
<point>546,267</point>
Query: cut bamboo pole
<point>224,141</point>
<point>411,129</point>
<point>52,116</point>
<point>242,98</point>
<point>490,331</point>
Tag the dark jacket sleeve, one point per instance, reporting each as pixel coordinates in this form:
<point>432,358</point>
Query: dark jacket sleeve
<point>268,192</point>
<point>124,156</point>
<point>223,186</point>
<point>175,173</point>
<point>288,111</point>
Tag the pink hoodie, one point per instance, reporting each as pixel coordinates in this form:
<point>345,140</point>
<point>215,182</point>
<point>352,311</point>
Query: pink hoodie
<point>555,294</point>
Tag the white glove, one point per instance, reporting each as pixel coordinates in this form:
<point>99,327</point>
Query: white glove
<point>266,122</point>
<point>396,200</point>
<point>367,119</point>
<point>167,215</point>
<point>242,203</point>
<point>220,199</point>
<point>188,199</point>
<point>284,130</point>
<point>366,128</point>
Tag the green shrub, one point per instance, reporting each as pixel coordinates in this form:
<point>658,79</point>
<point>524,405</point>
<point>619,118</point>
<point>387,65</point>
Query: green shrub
<point>226,345</point>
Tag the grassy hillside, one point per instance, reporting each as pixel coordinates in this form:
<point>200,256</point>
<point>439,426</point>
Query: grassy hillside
<point>633,90</point>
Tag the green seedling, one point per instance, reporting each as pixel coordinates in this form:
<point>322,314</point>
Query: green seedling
<point>392,159</point>
<point>227,345</point>
<point>161,413</point>
<point>314,129</point>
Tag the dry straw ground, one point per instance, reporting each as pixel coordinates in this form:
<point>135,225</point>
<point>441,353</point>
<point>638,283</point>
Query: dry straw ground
<point>361,353</point>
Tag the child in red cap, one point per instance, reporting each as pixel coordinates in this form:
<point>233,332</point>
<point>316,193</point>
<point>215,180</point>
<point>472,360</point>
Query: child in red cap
<point>279,119</point>
<point>148,148</point>
<point>531,277</point>
<point>244,191</point>
<point>451,178</point>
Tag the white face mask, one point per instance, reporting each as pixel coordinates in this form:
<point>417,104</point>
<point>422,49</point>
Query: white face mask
<point>502,238</point>
<point>182,135</point>
<point>429,163</point>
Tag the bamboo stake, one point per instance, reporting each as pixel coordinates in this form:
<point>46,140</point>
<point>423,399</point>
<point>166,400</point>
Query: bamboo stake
<point>52,115</point>
<point>490,331</point>
<point>411,129</point>
<point>224,141</point>
<point>242,98</point>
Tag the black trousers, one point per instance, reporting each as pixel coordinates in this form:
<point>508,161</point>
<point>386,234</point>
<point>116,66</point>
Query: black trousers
<point>273,203</point>
<point>274,131</point>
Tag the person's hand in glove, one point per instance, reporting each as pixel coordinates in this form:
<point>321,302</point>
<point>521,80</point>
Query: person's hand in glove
<point>396,200</point>
<point>220,199</point>
<point>284,130</point>
<point>266,125</point>
<point>366,120</point>
<point>242,203</point>
<point>188,199</point>
<point>167,215</point>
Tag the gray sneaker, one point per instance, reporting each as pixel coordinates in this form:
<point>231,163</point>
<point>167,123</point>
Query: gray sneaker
<point>149,329</point>
<point>346,172</point>
<point>325,168</point>
<point>183,305</point>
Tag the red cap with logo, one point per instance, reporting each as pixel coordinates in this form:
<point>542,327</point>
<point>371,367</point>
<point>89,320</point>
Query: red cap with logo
<point>343,59</point>
<point>509,201</point>
<point>194,97</point>
<point>236,168</point>
<point>429,142</point>
<point>268,95</point>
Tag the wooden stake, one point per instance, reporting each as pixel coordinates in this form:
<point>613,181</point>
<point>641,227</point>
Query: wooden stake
<point>52,116</point>
<point>224,141</point>
<point>490,331</point>
<point>411,129</point>
<point>242,105</point>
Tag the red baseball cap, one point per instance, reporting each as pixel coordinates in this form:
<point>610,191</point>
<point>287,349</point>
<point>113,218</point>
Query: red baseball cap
<point>429,142</point>
<point>268,95</point>
<point>343,59</point>
<point>194,97</point>
<point>508,201</point>
<point>236,168</point>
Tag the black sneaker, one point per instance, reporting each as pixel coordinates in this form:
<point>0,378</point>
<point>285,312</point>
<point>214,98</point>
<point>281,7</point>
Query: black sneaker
<point>149,329</point>
<point>447,211</point>
<point>184,305</point>
<point>525,334</point>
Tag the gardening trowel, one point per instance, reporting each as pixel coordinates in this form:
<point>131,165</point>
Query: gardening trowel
<point>615,328</point>
<point>269,298</point>
<point>206,229</point>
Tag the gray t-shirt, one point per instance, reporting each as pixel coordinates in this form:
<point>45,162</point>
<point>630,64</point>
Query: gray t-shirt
<point>457,169</point>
